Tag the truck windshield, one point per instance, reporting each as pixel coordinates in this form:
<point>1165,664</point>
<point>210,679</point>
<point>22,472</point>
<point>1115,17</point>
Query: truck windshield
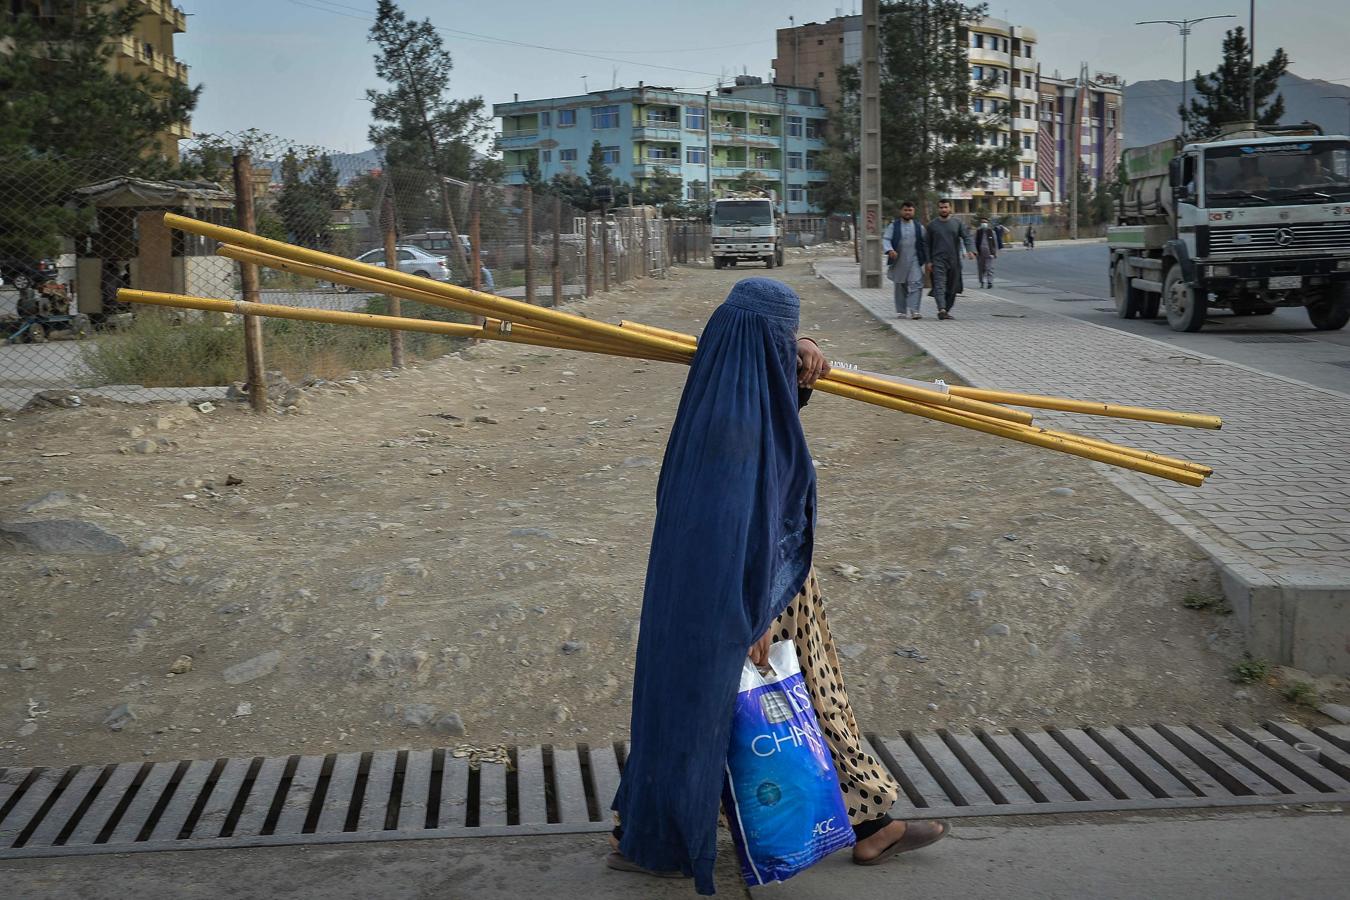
<point>742,212</point>
<point>1296,171</point>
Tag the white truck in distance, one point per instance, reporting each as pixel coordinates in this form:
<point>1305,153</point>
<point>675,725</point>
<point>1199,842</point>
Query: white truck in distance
<point>746,228</point>
<point>1249,221</point>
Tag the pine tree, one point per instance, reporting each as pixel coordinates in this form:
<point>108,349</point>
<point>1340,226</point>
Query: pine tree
<point>597,173</point>
<point>662,189</point>
<point>309,194</point>
<point>1222,97</point>
<point>839,194</point>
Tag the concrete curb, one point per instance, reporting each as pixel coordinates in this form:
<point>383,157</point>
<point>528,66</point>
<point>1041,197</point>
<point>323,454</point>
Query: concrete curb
<point>1302,622</point>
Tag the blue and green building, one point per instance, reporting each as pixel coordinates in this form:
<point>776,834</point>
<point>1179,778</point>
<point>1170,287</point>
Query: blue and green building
<point>772,130</point>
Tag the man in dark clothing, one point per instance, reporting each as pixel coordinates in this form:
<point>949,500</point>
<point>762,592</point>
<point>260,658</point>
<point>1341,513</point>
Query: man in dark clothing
<point>987,245</point>
<point>947,237</point>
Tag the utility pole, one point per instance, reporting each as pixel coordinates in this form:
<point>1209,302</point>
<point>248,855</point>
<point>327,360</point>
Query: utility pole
<point>1183,27</point>
<point>1072,147</point>
<point>869,180</point>
<point>1251,65</point>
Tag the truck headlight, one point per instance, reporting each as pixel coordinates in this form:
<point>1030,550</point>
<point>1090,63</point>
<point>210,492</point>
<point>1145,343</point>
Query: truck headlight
<point>1219,271</point>
<point>1343,265</point>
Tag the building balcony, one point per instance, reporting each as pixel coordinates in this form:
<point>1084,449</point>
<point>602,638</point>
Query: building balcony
<point>180,130</point>
<point>1028,95</point>
<point>985,56</point>
<point>518,139</point>
<point>1025,63</point>
<point>658,131</point>
<point>1026,125</point>
<point>653,162</point>
<point>168,12</point>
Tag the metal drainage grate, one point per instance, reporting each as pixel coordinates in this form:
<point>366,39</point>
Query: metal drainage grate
<point>406,794</point>
<point>1269,339</point>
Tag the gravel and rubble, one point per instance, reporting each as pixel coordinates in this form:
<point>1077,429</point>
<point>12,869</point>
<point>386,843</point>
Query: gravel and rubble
<point>455,552</point>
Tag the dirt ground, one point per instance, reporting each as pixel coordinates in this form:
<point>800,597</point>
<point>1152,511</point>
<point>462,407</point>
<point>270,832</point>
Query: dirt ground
<point>454,554</point>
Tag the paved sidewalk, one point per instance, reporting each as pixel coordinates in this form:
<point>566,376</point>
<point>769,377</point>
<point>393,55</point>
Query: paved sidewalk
<point>1275,515</point>
<point>1228,856</point>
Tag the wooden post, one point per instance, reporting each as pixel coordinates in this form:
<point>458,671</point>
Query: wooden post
<point>646,268</point>
<point>590,269</point>
<point>248,280</point>
<point>557,251</point>
<point>604,246</point>
<point>476,263</point>
<point>529,245</point>
<point>391,263</point>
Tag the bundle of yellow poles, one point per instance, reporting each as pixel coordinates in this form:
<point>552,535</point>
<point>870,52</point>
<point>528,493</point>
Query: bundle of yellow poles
<point>517,322</point>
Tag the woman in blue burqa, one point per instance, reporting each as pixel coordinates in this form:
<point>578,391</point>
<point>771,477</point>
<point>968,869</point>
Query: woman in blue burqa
<point>729,573</point>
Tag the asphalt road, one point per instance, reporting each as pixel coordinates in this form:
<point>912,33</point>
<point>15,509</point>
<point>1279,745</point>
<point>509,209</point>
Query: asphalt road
<point>1071,280</point>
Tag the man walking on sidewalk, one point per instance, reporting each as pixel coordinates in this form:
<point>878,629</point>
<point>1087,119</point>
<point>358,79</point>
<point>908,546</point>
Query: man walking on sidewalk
<point>946,238</point>
<point>986,251</point>
<point>907,250</point>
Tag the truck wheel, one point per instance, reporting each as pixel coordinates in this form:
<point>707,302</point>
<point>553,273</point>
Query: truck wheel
<point>1330,313</point>
<point>778,257</point>
<point>1149,310</point>
<point>1126,297</point>
<point>718,262</point>
<point>768,262</point>
<point>1184,305</point>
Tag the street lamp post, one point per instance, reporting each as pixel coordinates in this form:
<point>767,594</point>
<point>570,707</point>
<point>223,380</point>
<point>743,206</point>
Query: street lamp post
<point>1184,29</point>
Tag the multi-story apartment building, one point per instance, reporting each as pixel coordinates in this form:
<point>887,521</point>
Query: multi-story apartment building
<point>772,130</point>
<point>148,50</point>
<point>999,52</point>
<point>1095,141</point>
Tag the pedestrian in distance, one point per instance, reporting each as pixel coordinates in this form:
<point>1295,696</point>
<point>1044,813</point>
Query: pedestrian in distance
<point>906,247</point>
<point>1001,232</point>
<point>1029,239</point>
<point>986,251</point>
<point>947,237</point>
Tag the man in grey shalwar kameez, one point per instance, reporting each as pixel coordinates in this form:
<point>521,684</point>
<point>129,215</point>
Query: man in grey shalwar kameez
<point>946,238</point>
<point>906,249</point>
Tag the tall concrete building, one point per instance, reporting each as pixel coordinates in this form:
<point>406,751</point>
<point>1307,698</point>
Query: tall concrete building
<point>148,50</point>
<point>775,131</point>
<point>1006,53</point>
<point>1089,131</point>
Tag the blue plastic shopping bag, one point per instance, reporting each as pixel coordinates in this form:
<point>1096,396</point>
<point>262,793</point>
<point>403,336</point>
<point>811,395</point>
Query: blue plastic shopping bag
<point>781,795</point>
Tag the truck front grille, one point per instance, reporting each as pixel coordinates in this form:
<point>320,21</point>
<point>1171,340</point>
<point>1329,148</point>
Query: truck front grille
<point>1294,239</point>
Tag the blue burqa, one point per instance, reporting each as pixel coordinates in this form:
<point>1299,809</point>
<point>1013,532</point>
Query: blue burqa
<point>731,547</point>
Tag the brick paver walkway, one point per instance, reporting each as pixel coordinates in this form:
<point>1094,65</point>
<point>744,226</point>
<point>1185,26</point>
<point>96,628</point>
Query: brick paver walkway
<point>1277,509</point>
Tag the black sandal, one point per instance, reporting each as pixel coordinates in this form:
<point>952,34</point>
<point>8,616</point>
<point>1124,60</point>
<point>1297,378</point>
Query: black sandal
<point>917,835</point>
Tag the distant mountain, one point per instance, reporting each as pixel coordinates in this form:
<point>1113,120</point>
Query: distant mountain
<point>1151,107</point>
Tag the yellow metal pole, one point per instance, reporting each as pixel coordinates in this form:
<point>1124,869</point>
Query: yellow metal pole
<point>501,307</point>
<point>1090,407</point>
<point>880,385</point>
<point>1025,435</point>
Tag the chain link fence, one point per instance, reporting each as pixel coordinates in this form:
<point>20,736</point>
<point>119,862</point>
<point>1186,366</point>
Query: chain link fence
<point>71,236</point>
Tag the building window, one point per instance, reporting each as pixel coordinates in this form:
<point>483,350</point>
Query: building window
<point>696,118</point>
<point>546,120</point>
<point>546,156</point>
<point>977,73</point>
<point>1026,50</point>
<point>780,95</point>
<point>609,156</point>
<point>813,161</point>
<point>1026,82</point>
<point>763,125</point>
<point>605,117</point>
<point>696,155</point>
<point>978,105</point>
<point>796,193</point>
<point>805,98</point>
<point>763,159</point>
<point>977,41</point>
<point>567,156</point>
<point>1004,73</point>
<point>1026,171</point>
<point>794,126</point>
<point>794,160</point>
<point>1026,111</point>
<point>1026,142</point>
<point>567,118</point>
<point>815,129</point>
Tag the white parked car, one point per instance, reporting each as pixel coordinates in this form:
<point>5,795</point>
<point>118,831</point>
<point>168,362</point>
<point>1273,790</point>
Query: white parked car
<point>411,261</point>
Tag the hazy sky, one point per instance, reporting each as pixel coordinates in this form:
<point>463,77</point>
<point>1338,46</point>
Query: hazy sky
<point>300,68</point>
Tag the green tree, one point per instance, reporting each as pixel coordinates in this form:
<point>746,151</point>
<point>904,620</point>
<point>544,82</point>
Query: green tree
<point>663,189</point>
<point>309,194</point>
<point>747,181</point>
<point>839,193</point>
<point>66,120</point>
<point>597,173</point>
<point>425,134</point>
<point>574,190</point>
<point>931,139</point>
<point>1222,96</point>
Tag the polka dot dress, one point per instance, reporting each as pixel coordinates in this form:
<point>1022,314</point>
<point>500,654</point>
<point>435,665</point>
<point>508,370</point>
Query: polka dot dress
<point>869,791</point>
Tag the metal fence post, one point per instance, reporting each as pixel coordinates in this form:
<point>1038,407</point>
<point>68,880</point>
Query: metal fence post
<point>529,244</point>
<point>557,251</point>
<point>391,263</point>
<point>248,281</point>
<point>590,268</point>
<point>604,247</point>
